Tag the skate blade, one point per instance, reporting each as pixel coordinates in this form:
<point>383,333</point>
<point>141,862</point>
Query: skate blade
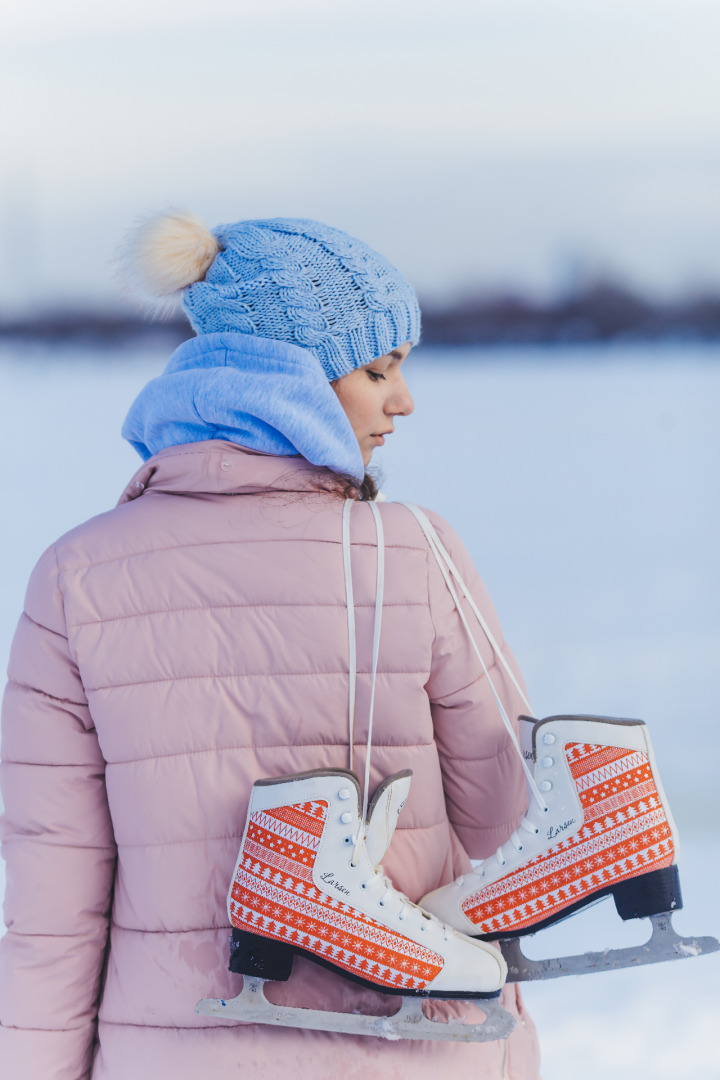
<point>409,1022</point>
<point>664,944</point>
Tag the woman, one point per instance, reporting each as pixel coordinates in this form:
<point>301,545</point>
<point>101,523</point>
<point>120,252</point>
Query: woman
<point>194,639</point>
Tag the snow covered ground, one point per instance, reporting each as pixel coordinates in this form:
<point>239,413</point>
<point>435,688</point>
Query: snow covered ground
<point>584,482</point>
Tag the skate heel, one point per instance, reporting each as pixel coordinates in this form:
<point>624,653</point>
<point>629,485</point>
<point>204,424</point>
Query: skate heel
<point>650,894</point>
<point>262,957</point>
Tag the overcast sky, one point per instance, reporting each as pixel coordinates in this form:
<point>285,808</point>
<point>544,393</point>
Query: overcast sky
<point>487,144</point>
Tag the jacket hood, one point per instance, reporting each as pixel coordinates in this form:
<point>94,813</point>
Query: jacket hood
<point>265,395</point>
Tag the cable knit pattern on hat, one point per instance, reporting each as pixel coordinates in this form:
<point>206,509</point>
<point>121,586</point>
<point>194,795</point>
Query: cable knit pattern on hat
<point>305,283</point>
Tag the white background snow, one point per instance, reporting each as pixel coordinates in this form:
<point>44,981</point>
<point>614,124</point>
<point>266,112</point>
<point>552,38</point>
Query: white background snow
<point>584,482</point>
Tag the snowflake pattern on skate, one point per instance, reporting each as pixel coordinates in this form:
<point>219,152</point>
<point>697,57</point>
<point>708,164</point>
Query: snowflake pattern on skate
<point>273,894</point>
<point>624,834</point>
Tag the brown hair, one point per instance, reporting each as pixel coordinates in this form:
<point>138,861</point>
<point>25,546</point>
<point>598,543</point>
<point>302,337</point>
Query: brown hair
<point>345,487</point>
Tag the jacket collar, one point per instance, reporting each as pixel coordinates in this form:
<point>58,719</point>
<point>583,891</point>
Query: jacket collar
<point>218,467</point>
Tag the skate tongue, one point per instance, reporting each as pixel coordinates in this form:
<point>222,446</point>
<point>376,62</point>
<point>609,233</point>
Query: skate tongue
<point>526,726</point>
<point>383,814</point>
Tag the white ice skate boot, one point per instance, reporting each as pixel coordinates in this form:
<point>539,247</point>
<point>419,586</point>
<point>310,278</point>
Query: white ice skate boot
<point>306,882</point>
<point>603,827</point>
<point>598,823</point>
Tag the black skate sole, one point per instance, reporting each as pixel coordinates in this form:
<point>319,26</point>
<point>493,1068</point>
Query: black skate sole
<point>267,958</point>
<point>655,893</point>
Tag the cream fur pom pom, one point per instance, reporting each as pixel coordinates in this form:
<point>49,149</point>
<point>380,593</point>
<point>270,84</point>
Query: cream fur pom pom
<point>171,251</point>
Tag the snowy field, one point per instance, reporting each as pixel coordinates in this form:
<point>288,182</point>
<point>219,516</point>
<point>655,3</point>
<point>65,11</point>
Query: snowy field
<point>584,482</point>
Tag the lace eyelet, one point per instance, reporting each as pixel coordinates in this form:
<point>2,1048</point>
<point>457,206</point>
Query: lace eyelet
<point>364,885</point>
<point>353,865</point>
<point>382,903</point>
<point>521,847</point>
<point>347,840</point>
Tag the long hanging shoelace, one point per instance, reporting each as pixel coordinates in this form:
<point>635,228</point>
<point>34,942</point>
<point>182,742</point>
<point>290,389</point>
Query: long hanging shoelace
<point>449,570</point>
<point>352,643</point>
<point>426,922</point>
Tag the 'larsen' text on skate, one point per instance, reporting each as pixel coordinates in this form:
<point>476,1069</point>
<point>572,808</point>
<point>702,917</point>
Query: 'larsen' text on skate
<point>330,880</point>
<point>555,830</point>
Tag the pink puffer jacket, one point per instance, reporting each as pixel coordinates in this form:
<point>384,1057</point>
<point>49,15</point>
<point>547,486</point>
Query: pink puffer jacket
<point>171,652</point>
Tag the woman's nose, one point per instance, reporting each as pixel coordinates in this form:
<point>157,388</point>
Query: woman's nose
<point>401,403</point>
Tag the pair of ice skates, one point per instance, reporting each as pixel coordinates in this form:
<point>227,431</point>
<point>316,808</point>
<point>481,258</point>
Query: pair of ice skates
<point>308,879</point>
<point>308,882</point>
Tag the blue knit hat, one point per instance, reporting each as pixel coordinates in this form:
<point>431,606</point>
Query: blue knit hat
<point>307,284</point>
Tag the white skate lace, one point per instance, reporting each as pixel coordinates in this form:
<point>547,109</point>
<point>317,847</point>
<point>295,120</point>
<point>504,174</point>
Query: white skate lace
<point>479,870</point>
<point>427,922</point>
<point>352,641</point>
<point>449,570</point>
<point>407,908</point>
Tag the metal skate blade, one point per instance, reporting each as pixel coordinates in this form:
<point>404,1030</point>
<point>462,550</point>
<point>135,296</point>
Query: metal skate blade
<point>409,1022</point>
<point>664,944</point>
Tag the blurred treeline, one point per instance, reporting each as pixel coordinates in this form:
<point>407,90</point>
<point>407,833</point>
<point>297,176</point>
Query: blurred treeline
<point>599,312</point>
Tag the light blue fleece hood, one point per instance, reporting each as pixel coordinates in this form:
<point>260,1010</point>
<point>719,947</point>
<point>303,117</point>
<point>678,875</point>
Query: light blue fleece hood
<point>263,394</point>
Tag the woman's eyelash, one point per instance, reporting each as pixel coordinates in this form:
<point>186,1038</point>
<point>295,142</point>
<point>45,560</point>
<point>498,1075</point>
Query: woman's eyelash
<point>376,375</point>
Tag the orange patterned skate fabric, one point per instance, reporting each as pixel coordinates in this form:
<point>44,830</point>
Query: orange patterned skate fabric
<point>273,894</point>
<point>624,834</point>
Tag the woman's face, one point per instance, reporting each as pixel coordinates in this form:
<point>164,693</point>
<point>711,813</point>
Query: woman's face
<point>373,396</point>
